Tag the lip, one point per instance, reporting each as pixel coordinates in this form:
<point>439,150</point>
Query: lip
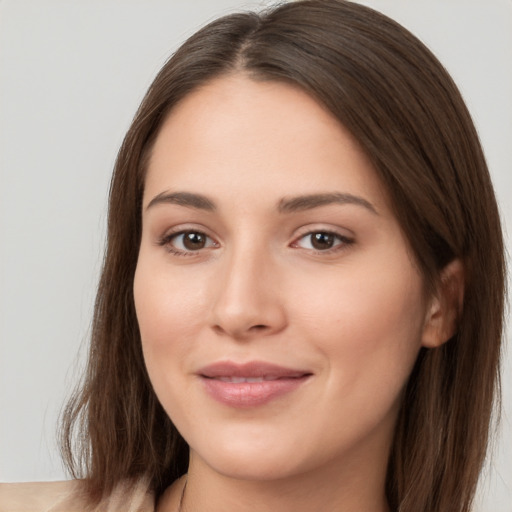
<point>250,384</point>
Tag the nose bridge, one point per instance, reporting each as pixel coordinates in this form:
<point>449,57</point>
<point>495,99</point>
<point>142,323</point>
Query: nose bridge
<point>247,299</point>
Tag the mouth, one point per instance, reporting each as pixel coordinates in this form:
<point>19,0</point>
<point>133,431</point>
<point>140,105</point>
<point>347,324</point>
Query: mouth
<point>238,380</point>
<point>250,384</point>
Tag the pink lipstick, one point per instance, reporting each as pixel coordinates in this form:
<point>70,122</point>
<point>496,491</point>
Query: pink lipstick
<point>250,384</point>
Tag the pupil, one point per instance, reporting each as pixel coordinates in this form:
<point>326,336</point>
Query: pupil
<point>193,241</point>
<point>322,240</point>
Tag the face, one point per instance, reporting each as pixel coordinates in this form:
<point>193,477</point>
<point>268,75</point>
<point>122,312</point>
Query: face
<point>279,306</point>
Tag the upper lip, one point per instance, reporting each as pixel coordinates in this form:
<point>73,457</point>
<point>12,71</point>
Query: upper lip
<point>252,369</point>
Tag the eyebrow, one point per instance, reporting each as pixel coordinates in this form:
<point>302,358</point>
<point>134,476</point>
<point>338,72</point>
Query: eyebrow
<point>187,199</point>
<point>308,202</point>
<point>285,205</point>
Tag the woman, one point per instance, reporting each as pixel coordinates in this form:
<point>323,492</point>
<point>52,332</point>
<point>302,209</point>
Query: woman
<point>304,260</point>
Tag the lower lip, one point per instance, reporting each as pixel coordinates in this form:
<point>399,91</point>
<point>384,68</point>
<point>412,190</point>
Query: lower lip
<point>251,394</point>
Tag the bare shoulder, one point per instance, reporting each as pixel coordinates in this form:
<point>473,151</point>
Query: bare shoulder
<point>38,496</point>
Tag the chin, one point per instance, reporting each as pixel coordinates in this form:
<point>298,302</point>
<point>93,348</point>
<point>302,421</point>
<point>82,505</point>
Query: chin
<point>256,459</point>
<point>252,467</point>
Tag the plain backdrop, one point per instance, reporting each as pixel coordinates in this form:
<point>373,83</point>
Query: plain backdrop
<point>72,73</point>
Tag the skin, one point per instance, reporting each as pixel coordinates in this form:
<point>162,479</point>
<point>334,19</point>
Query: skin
<point>355,315</point>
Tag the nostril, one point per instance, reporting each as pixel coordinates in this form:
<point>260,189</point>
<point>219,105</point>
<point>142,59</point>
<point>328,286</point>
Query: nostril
<point>259,327</point>
<point>218,329</point>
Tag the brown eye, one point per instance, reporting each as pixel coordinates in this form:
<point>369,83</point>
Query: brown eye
<point>193,241</point>
<point>187,242</point>
<point>322,241</point>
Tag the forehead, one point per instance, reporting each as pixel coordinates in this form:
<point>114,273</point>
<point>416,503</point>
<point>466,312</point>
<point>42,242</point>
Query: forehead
<point>235,133</point>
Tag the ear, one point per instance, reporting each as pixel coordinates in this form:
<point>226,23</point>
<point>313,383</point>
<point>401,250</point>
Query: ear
<point>443,313</point>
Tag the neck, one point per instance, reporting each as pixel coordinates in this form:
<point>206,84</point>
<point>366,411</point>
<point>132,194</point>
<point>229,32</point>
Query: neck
<point>202,490</point>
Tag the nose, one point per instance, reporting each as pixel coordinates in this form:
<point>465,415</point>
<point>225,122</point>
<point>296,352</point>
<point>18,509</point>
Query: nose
<point>249,301</point>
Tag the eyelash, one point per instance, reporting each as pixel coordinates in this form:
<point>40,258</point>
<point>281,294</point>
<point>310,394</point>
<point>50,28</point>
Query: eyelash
<point>343,242</point>
<point>166,241</point>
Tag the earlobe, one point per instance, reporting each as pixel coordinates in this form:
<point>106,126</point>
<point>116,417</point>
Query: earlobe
<point>442,318</point>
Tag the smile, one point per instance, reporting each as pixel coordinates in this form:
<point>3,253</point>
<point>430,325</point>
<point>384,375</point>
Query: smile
<point>250,384</point>
<point>238,380</point>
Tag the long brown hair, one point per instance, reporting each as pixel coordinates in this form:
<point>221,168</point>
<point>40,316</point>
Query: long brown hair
<point>398,101</point>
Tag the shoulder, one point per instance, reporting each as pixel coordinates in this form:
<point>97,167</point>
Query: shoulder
<point>36,496</point>
<point>68,496</point>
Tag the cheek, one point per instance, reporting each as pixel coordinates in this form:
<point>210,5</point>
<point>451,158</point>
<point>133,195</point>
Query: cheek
<point>169,315</point>
<point>367,322</point>
<point>169,312</point>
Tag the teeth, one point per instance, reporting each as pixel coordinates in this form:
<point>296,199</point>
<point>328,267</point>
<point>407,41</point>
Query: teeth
<point>238,380</point>
<point>264,378</point>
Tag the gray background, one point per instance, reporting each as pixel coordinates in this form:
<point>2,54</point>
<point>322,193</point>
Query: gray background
<point>71,76</point>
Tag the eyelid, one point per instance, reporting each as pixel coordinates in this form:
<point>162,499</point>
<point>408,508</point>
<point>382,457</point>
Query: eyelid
<point>323,228</point>
<point>341,234</point>
<point>166,239</point>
